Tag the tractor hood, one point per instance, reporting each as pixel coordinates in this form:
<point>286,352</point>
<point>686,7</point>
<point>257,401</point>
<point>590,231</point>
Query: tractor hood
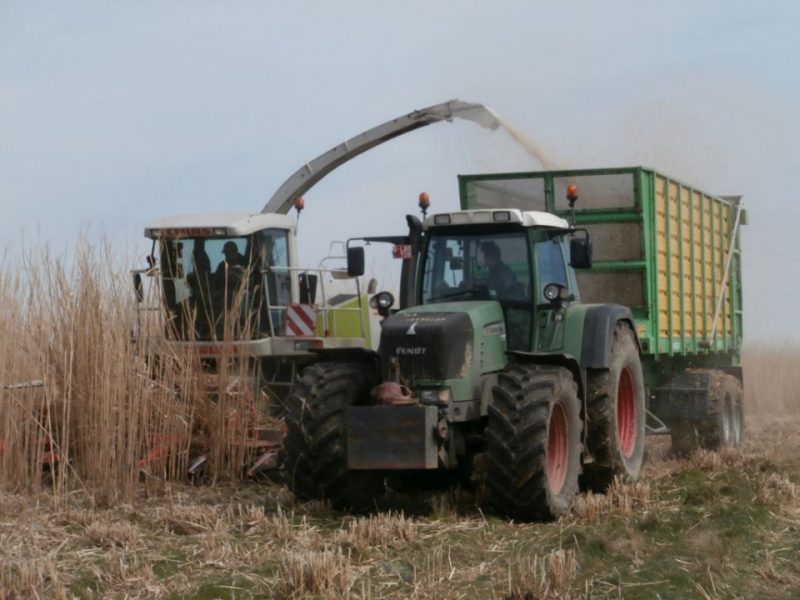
<point>438,342</point>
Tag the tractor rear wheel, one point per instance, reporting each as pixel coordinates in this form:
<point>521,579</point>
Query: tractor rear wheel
<point>616,415</point>
<point>533,442</point>
<point>316,436</point>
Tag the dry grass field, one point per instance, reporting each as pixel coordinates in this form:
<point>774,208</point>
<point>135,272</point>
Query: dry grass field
<point>714,525</point>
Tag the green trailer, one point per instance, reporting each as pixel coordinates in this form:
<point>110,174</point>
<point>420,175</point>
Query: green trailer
<point>543,328</point>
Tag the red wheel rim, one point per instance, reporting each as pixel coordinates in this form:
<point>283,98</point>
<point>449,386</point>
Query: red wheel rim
<point>626,413</point>
<point>557,449</point>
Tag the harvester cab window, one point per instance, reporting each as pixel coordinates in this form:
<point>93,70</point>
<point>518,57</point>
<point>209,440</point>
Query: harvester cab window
<point>201,282</point>
<point>273,258</point>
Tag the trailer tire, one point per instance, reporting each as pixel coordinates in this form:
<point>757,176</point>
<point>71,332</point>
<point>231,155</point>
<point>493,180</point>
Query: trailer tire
<point>316,436</point>
<point>723,427</point>
<point>616,415</point>
<point>533,443</point>
<point>726,419</point>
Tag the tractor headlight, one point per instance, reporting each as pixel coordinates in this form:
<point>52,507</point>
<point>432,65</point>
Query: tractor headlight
<point>382,300</point>
<point>552,292</point>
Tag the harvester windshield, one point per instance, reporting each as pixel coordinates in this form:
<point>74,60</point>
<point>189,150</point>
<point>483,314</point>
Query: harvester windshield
<point>214,287</point>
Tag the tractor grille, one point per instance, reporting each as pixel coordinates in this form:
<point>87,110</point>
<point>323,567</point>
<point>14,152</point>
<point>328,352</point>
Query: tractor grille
<point>426,346</point>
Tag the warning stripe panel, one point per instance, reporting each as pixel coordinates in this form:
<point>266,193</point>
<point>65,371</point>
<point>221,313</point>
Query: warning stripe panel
<point>300,320</point>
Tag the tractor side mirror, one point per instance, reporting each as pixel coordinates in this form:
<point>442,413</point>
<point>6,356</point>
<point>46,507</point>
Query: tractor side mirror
<point>580,253</point>
<point>138,290</point>
<point>355,261</point>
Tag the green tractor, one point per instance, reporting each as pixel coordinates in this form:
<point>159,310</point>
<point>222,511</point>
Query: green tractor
<point>495,369</point>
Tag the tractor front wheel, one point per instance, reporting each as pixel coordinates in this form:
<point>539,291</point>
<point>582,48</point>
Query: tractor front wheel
<point>533,442</point>
<point>316,436</point>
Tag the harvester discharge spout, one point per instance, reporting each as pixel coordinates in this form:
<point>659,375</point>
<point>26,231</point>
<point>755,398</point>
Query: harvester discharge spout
<point>312,172</point>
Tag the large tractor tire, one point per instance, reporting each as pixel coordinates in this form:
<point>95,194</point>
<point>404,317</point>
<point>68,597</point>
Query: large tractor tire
<point>723,427</point>
<point>616,415</point>
<point>533,443</point>
<point>316,436</point>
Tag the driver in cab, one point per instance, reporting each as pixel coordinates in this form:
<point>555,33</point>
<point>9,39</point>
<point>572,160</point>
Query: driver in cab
<point>501,278</point>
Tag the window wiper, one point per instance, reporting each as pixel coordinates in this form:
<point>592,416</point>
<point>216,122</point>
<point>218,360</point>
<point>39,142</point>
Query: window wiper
<point>474,290</point>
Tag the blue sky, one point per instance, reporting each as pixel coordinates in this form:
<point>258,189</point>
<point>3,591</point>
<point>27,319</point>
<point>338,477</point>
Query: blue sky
<point>112,113</point>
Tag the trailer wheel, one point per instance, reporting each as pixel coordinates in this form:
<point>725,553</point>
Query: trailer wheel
<point>616,415</point>
<point>723,427</point>
<point>533,443</point>
<point>316,436</point>
<point>737,413</point>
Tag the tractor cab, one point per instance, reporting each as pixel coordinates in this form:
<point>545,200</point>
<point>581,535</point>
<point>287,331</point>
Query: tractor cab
<point>517,258</point>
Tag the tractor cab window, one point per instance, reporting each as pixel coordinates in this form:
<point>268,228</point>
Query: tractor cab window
<point>476,267</point>
<point>550,265</point>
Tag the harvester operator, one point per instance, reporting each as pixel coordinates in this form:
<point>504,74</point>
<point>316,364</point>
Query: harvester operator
<point>233,258</point>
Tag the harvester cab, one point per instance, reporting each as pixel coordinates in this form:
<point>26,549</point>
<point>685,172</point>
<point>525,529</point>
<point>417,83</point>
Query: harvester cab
<point>233,278</point>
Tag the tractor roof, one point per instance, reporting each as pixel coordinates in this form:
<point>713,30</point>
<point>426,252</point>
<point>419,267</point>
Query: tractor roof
<point>525,218</point>
<point>219,224</point>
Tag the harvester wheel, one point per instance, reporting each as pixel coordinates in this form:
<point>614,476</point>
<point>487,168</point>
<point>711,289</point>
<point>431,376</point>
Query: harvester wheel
<point>533,442</point>
<point>616,415</point>
<point>316,436</point>
<point>723,427</point>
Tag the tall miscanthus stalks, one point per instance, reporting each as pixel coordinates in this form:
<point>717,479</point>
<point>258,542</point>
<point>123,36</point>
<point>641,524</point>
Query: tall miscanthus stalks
<point>82,406</point>
<point>771,378</point>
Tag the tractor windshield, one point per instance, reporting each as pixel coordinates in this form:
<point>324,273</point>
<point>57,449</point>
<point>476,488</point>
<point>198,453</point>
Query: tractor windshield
<point>466,266</point>
<point>214,288</point>
<point>487,266</point>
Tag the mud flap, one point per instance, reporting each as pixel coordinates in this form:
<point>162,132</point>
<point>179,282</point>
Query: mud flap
<point>686,397</point>
<point>392,437</point>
